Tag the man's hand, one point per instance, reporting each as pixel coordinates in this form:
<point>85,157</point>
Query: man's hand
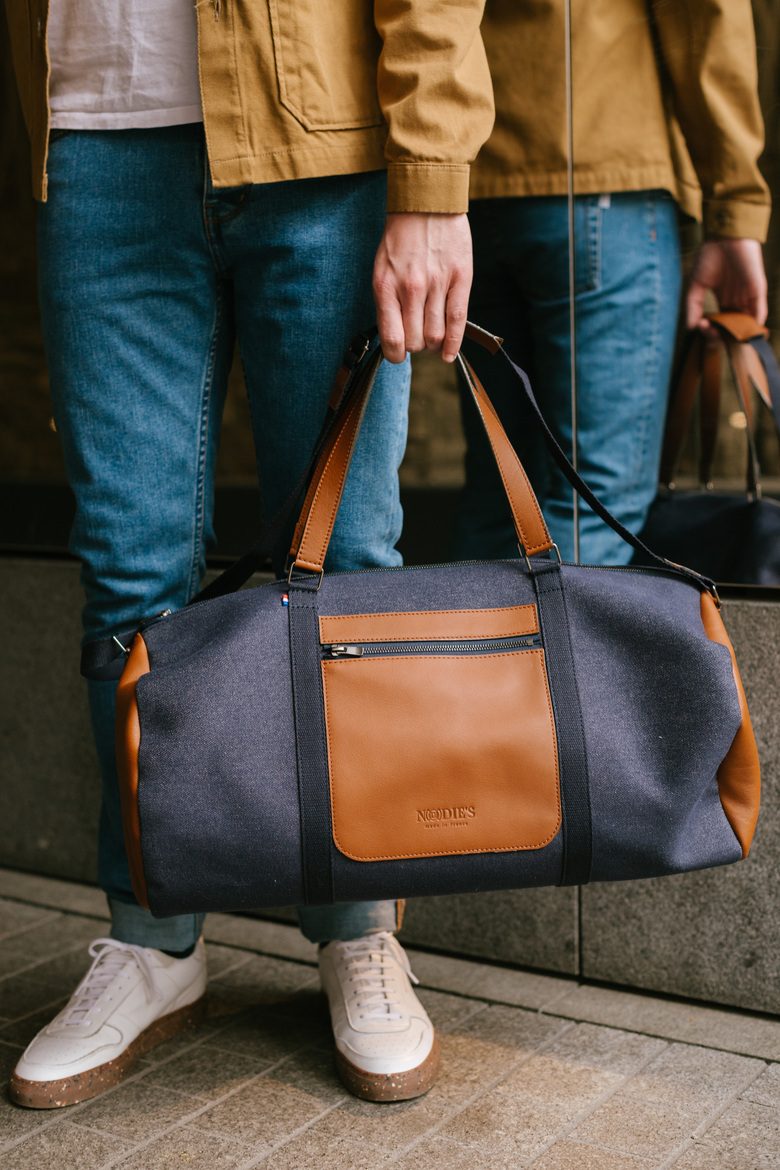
<point>422,280</point>
<point>734,271</point>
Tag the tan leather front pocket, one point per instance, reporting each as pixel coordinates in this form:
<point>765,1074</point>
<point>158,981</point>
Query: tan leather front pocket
<point>439,753</point>
<point>326,55</point>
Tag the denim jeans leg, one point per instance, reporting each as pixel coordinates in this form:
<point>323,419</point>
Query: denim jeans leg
<point>301,256</point>
<point>626,304</point>
<point>138,340</point>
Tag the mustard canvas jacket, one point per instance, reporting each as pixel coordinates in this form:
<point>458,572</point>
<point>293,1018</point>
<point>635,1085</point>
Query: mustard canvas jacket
<point>698,133</point>
<point>295,89</point>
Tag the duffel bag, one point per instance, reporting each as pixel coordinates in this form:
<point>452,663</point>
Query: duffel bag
<point>428,730</point>
<point>732,537</point>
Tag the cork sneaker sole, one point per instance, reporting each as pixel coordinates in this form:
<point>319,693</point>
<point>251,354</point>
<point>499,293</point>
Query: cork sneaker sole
<point>85,1085</point>
<point>390,1086</point>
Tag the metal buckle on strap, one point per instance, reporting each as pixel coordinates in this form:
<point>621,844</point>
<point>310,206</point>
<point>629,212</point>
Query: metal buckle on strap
<point>555,557</point>
<point>299,576</point>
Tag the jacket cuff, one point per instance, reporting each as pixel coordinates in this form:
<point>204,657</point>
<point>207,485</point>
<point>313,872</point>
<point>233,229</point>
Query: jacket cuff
<point>431,187</point>
<point>748,221</point>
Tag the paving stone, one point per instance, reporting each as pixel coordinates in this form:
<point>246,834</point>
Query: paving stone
<point>512,1028</point>
<point>314,1072</point>
<point>204,1072</point>
<point>315,1149</point>
<point>22,996</point>
<point>266,1110</point>
<point>694,1077</point>
<point>21,1031</point>
<point>264,1035</point>
<point>515,1127</point>
<point>747,1128</point>
<point>466,1069</point>
<point>574,1156</point>
<point>189,1147</point>
<point>549,1080</point>
<point>498,984</point>
<point>134,1111</point>
<point>252,934</point>
<point>702,1156</point>
<point>387,1127</point>
<point>765,1090</point>
<point>438,1153</point>
<point>642,1128</point>
<point>264,980</point>
<point>64,1147</point>
<point>688,1022</point>
<point>50,948</point>
<point>587,1046</point>
<point>69,897</point>
<point>447,1012</point>
<point>17,916</point>
<point>220,960</point>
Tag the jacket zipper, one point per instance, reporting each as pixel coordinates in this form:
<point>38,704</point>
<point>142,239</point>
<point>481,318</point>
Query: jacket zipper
<point>398,649</point>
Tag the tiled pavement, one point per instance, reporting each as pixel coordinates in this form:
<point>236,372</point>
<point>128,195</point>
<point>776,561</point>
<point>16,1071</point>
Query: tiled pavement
<point>538,1071</point>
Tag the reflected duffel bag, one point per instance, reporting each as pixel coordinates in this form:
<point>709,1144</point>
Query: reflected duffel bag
<point>427,730</point>
<point>732,537</point>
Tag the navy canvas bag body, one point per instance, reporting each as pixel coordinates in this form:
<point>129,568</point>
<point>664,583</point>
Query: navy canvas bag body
<point>428,730</point>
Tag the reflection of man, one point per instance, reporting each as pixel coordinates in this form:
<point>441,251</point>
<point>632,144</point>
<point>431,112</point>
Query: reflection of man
<point>665,118</point>
<point>207,176</point>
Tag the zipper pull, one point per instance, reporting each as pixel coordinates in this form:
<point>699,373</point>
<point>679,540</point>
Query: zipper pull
<point>342,651</point>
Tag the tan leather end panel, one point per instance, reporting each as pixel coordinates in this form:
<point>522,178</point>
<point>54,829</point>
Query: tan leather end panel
<point>741,326</point>
<point>440,755</point>
<point>433,626</point>
<point>128,742</point>
<point>739,776</point>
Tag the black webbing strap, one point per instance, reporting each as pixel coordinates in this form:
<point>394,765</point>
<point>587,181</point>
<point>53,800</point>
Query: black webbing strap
<point>310,743</point>
<point>572,753</point>
<point>582,489</point>
<point>105,658</point>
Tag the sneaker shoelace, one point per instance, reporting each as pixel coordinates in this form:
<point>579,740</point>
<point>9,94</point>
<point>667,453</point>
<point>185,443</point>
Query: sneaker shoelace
<point>372,964</point>
<point>111,958</point>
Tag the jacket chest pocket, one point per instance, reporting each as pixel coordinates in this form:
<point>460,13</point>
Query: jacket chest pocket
<point>326,54</point>
<point>441,736</point>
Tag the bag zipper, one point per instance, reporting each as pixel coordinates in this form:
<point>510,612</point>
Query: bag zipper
<point>398,649</point>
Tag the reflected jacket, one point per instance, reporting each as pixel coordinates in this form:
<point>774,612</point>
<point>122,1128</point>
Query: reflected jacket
<point>664,96</point>
<point>295,89</point>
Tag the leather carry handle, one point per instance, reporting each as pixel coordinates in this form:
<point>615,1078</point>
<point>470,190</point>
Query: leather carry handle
<point>744,343</point>
<point>314,529</point>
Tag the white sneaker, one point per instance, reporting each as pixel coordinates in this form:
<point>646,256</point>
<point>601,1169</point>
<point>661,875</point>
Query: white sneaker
<point>130,999</point>
<point>386,1049</point>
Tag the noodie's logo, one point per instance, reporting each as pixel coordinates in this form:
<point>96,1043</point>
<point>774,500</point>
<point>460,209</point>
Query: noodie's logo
<point>446,815</point>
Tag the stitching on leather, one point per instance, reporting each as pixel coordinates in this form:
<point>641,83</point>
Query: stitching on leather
<point>540,655</point>
<point>331,519</point>
<point>352,617</point>
<point>530,549</point>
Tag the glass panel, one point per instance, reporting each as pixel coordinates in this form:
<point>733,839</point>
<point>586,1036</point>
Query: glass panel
<point>652,134</point>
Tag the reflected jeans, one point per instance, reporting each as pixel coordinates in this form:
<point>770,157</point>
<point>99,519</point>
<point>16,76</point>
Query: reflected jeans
<point>148,275</point>
<point>627,291</point>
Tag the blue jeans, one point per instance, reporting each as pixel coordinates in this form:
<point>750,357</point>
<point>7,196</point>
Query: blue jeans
<point>627,298</point>
<point>147,277</point>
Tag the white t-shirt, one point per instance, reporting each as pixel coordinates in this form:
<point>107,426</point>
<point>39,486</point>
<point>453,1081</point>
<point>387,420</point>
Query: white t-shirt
<point>119,64</point>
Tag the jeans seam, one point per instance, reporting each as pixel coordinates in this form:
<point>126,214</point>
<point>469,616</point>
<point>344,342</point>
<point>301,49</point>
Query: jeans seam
<point>203,440</point>
<point>654,340</point>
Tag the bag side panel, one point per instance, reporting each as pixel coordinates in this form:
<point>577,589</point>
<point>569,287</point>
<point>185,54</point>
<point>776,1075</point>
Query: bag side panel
<point>660,711</point>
